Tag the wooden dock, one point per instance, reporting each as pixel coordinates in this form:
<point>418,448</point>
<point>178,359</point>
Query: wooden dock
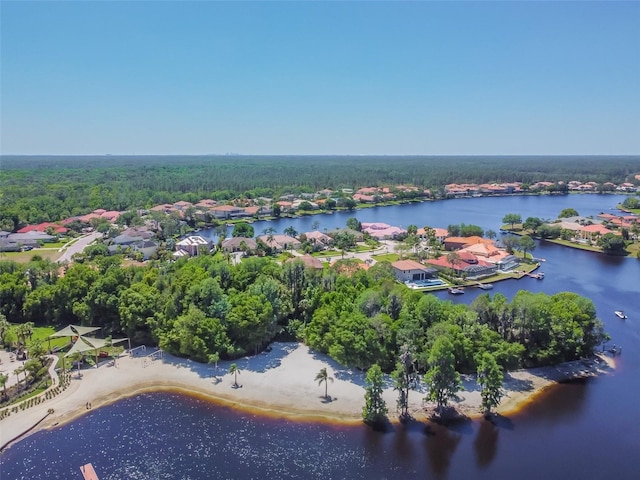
<point>88,472</point>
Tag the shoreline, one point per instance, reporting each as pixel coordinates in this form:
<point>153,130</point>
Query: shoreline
<point>277,384</point>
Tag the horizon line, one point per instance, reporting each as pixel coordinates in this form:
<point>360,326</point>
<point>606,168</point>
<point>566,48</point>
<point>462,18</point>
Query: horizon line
<point>319,155</point>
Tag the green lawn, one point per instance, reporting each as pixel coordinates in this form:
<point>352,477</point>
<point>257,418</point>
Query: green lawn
<point>25,257</point>
<point>386,257</point>
<point>43,333</point>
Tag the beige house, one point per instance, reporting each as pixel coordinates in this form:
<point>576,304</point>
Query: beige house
<point>410,270</point>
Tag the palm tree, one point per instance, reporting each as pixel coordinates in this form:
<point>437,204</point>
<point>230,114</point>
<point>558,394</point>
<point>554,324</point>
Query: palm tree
<point>22,333</point>
<point>4,326</point>
<point>291,232</point>
<point>4,377</point>
<point>233,368</point>
<point>269,232</point>
<point>323,376</point>
<point>453,258</point>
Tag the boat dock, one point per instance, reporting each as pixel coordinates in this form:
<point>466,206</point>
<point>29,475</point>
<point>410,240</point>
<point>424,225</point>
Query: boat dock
<point>88,472</point>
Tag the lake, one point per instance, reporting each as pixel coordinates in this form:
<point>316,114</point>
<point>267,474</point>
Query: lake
<point>583,430</point>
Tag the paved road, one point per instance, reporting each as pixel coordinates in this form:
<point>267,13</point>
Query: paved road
<point>78,246</point>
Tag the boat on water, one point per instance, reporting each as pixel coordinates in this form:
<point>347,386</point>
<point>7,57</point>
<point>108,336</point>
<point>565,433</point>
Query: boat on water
<point>620,314</point>
<point>456,291</point>
<point>88,472</point>
<point>485,286</point>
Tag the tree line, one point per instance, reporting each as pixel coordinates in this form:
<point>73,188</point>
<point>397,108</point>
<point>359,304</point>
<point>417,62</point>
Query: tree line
<point>38,189</point>
<point>205,308</point>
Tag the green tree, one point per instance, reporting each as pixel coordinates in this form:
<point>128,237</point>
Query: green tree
<point>321,377</point>
<point>4,327</point>
<point>612,244</point>
<point>568,212</point>
<point>243,229</point>
<point>234,370</point>
<point>277,210</point>
<point>490,379</point>
<point>403,377</point>
<point>348,203</point>
<point>442,379</point>
<point>510,242</point>
<point>290,231</point>
<point>375,409</point>
<point>453,258</point>
<point>4,378</point>
<point>354,224</point>
<point>526,244</point>
<point>532,223</point>
<point>512,219</point>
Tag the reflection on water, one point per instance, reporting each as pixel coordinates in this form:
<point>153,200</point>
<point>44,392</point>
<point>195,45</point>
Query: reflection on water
<point>440,446</point>
<point>559,402</point>
<point>485,444</point>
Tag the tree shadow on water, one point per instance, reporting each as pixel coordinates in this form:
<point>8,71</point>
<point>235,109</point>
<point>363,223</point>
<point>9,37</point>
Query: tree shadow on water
<point>485,444</point>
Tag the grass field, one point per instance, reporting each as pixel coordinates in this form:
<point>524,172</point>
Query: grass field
<point>386,257</point>
<point>25,257</point>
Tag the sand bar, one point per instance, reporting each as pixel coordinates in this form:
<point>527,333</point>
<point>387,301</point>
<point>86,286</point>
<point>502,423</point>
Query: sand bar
<point>279,383</point>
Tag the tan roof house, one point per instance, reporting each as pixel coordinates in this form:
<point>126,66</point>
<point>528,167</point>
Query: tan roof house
<point>308,261</point>
<point>410,270</point>
<point>279,242</point>
<point>235,244</point>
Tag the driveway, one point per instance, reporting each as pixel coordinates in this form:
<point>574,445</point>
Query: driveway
<point>78,246</point>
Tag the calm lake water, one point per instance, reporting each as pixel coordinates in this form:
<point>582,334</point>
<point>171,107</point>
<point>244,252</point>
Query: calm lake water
<point>583,430</point>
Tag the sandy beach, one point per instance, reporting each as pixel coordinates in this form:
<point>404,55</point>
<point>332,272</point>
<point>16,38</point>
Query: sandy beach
<point>279,383</point>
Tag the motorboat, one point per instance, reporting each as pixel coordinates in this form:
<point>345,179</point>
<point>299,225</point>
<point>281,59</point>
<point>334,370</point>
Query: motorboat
<point>620,314</point>
<point>485,286</point>
<point>456,291</point>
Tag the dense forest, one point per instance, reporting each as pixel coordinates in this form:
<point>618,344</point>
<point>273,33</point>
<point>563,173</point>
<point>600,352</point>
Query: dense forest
<point>205,308</point>
<point>36,189</point>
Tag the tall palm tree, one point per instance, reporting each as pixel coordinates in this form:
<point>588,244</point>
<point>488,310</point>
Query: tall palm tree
<point>323,376</point>
<point>233,368</point>
<point>269,232</point>
<point>453,258</point>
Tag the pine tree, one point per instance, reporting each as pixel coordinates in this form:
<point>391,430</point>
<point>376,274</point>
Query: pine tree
<point>375,408</point>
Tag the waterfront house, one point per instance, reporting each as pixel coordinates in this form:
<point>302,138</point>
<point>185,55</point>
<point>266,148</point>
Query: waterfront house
<point>235,244</point>
<point>410,270</point>
<point>279,242</point>
<point>227,211</point>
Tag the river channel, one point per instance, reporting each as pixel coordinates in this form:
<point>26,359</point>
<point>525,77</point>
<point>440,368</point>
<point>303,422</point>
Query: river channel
<point>582,430</point>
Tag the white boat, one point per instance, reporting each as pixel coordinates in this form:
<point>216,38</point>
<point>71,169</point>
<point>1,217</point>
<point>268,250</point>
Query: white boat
<point>456,291</point>
<point>485,286</point>
<point>620,314</point>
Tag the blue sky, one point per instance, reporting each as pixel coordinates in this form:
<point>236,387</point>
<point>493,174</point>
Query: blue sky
<point>415,78</point>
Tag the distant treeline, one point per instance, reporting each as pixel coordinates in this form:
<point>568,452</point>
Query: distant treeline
<point>49,188</point>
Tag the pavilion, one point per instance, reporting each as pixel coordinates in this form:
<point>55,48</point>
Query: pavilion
<point>84,344</point>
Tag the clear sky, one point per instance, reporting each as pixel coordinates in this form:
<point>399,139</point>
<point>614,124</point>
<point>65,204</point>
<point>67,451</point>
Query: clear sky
<point>423,78</point>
